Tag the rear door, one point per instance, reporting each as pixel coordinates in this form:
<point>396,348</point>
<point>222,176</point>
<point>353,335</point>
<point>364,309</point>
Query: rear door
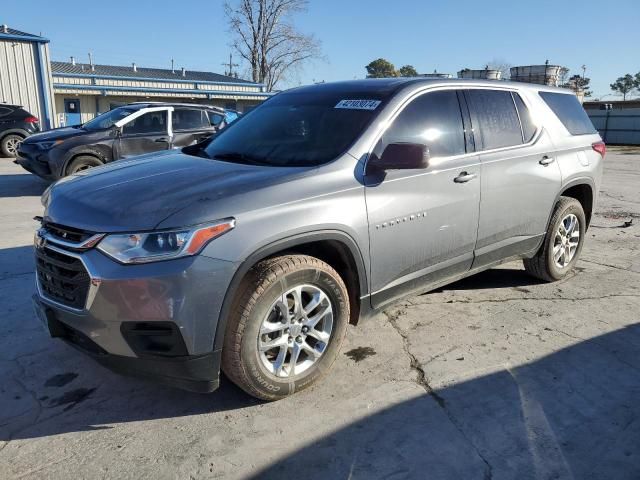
<point>145,133</point>
<point>423,223</point>
<point>520,175</point>
<point>190,125</point>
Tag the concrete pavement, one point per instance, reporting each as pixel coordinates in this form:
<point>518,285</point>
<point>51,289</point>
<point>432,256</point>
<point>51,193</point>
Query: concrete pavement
<point>497,376</point>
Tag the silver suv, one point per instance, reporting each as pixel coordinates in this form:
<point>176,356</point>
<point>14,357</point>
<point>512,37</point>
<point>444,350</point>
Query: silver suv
<point>252,252</point>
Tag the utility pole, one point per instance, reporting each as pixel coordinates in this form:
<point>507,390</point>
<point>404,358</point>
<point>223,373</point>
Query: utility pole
<point>230,65</point>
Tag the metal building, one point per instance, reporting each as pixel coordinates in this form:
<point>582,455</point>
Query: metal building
<point>25,73</point>
<point>82,90</point>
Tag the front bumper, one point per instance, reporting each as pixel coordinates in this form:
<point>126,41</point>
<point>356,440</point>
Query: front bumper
<point>35,160</point>
<point>155,320</point>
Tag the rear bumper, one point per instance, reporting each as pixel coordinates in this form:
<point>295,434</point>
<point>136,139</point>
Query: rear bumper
<point>195,373</point>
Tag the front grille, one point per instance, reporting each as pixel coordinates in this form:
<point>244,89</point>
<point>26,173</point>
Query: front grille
<point>67,234</point>
<point>62,278</point>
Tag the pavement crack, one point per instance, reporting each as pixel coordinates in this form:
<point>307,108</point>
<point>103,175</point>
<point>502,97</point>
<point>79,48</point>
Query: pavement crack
<point>516,299</point>
<point>609,265</point>
<point>421,380</point>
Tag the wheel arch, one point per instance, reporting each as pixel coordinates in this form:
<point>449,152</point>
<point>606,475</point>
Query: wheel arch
<point>88,152</point>
<point>334,247</point>
<point>582,190</point>
<point>14,131</point>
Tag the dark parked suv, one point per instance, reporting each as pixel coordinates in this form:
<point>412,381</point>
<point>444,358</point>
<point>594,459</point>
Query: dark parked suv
<point>16,124</point>
<point>123,132</point>
<point>252,252</point>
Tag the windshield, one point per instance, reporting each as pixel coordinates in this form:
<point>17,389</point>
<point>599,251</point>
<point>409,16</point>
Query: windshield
<point>296,129</point>
<point>106,120</point>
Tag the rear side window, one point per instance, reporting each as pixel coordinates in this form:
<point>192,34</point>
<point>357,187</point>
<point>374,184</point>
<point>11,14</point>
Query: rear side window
<point>5,111</point>
<point>496,117</point>
<point>189,119</point>
<point>152,122</point>
<point>528,127</point>
<point>568,109</point>
<point>433,119</point>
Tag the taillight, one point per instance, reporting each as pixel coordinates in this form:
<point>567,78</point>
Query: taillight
<point>31,120</point>
<point>600,147</point>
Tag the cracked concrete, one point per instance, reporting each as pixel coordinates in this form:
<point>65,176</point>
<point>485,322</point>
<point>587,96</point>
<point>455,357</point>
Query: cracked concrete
<point>496,376</point>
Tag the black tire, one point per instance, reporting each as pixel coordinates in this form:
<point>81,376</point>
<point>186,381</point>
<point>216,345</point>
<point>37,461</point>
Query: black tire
<point>264,283</point>
<point>82,162</point>
<point>9,144</point>
<point>543,265</point>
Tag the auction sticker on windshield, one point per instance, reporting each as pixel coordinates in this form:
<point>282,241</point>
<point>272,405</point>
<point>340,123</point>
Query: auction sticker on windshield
<point>358,104</point>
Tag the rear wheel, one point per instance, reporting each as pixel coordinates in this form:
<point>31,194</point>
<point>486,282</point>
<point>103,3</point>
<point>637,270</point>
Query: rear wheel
<point>562,244</point>
<point>9,145</point>
<point>82,162</point>
<point>286,327</point>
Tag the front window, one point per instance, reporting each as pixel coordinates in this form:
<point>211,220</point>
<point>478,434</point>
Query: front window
<point>108,119</point>
<point>297,129</point>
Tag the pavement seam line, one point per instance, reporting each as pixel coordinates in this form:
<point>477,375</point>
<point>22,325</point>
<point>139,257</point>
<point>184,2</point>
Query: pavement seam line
<point>421,380</point>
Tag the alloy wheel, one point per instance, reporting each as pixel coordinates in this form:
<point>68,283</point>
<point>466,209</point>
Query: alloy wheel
<point>295,332</point>
<point>566,240</point>
<point>12,144</point>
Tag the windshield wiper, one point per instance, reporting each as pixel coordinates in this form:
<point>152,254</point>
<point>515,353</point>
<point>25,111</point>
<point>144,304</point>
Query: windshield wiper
<point>241,157</point>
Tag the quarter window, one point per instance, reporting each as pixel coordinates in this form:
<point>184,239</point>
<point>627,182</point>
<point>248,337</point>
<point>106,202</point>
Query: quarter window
<point>189,119</point>
<point>152,122</point>
<point>496,118</point>
<point>433,119</point>
<point>215,119</point>
<point>568,109</point>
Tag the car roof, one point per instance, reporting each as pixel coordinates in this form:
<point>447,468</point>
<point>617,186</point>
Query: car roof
<point>385,87</point>
<point>171,104</point>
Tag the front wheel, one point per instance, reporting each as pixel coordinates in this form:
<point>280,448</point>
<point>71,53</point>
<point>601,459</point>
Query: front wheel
<point>562,244</point>
<point>82,162</point>
<point>286,326</point>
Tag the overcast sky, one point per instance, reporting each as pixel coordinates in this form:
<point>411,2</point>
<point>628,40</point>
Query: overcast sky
<point>442,35</point>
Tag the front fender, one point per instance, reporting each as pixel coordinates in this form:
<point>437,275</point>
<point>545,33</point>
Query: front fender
<point>283,244</point>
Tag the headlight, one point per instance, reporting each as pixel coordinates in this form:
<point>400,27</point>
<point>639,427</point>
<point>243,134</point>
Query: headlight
<point>48,145</point>
<point>165,245</point>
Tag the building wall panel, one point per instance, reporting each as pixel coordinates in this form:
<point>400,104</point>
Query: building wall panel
<point>19,68</point>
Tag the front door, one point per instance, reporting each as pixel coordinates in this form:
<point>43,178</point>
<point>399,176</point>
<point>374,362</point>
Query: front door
<point>72,113</point>
<point>146,133</point>
<point>423,223</point>
<point>520,177</point>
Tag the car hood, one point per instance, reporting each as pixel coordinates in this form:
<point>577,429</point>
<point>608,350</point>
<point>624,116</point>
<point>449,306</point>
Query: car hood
<point>141,193</point>
<point>55,134</point>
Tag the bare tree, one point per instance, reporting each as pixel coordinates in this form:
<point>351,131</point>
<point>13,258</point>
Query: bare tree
<point>266,38</point>
<point>502,66</point>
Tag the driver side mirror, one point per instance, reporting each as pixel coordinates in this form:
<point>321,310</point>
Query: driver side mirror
<point>400,156</point>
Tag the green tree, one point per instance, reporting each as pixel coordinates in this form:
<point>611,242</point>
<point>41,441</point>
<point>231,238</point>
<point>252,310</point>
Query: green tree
<point>381,68</point>
<point>624,85</point>
<point>408,71</point>
<point>578,83</point>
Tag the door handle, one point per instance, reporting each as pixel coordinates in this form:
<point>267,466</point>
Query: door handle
<point>464,177</point>
<point>160,140</point>
<point>546,161</point>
